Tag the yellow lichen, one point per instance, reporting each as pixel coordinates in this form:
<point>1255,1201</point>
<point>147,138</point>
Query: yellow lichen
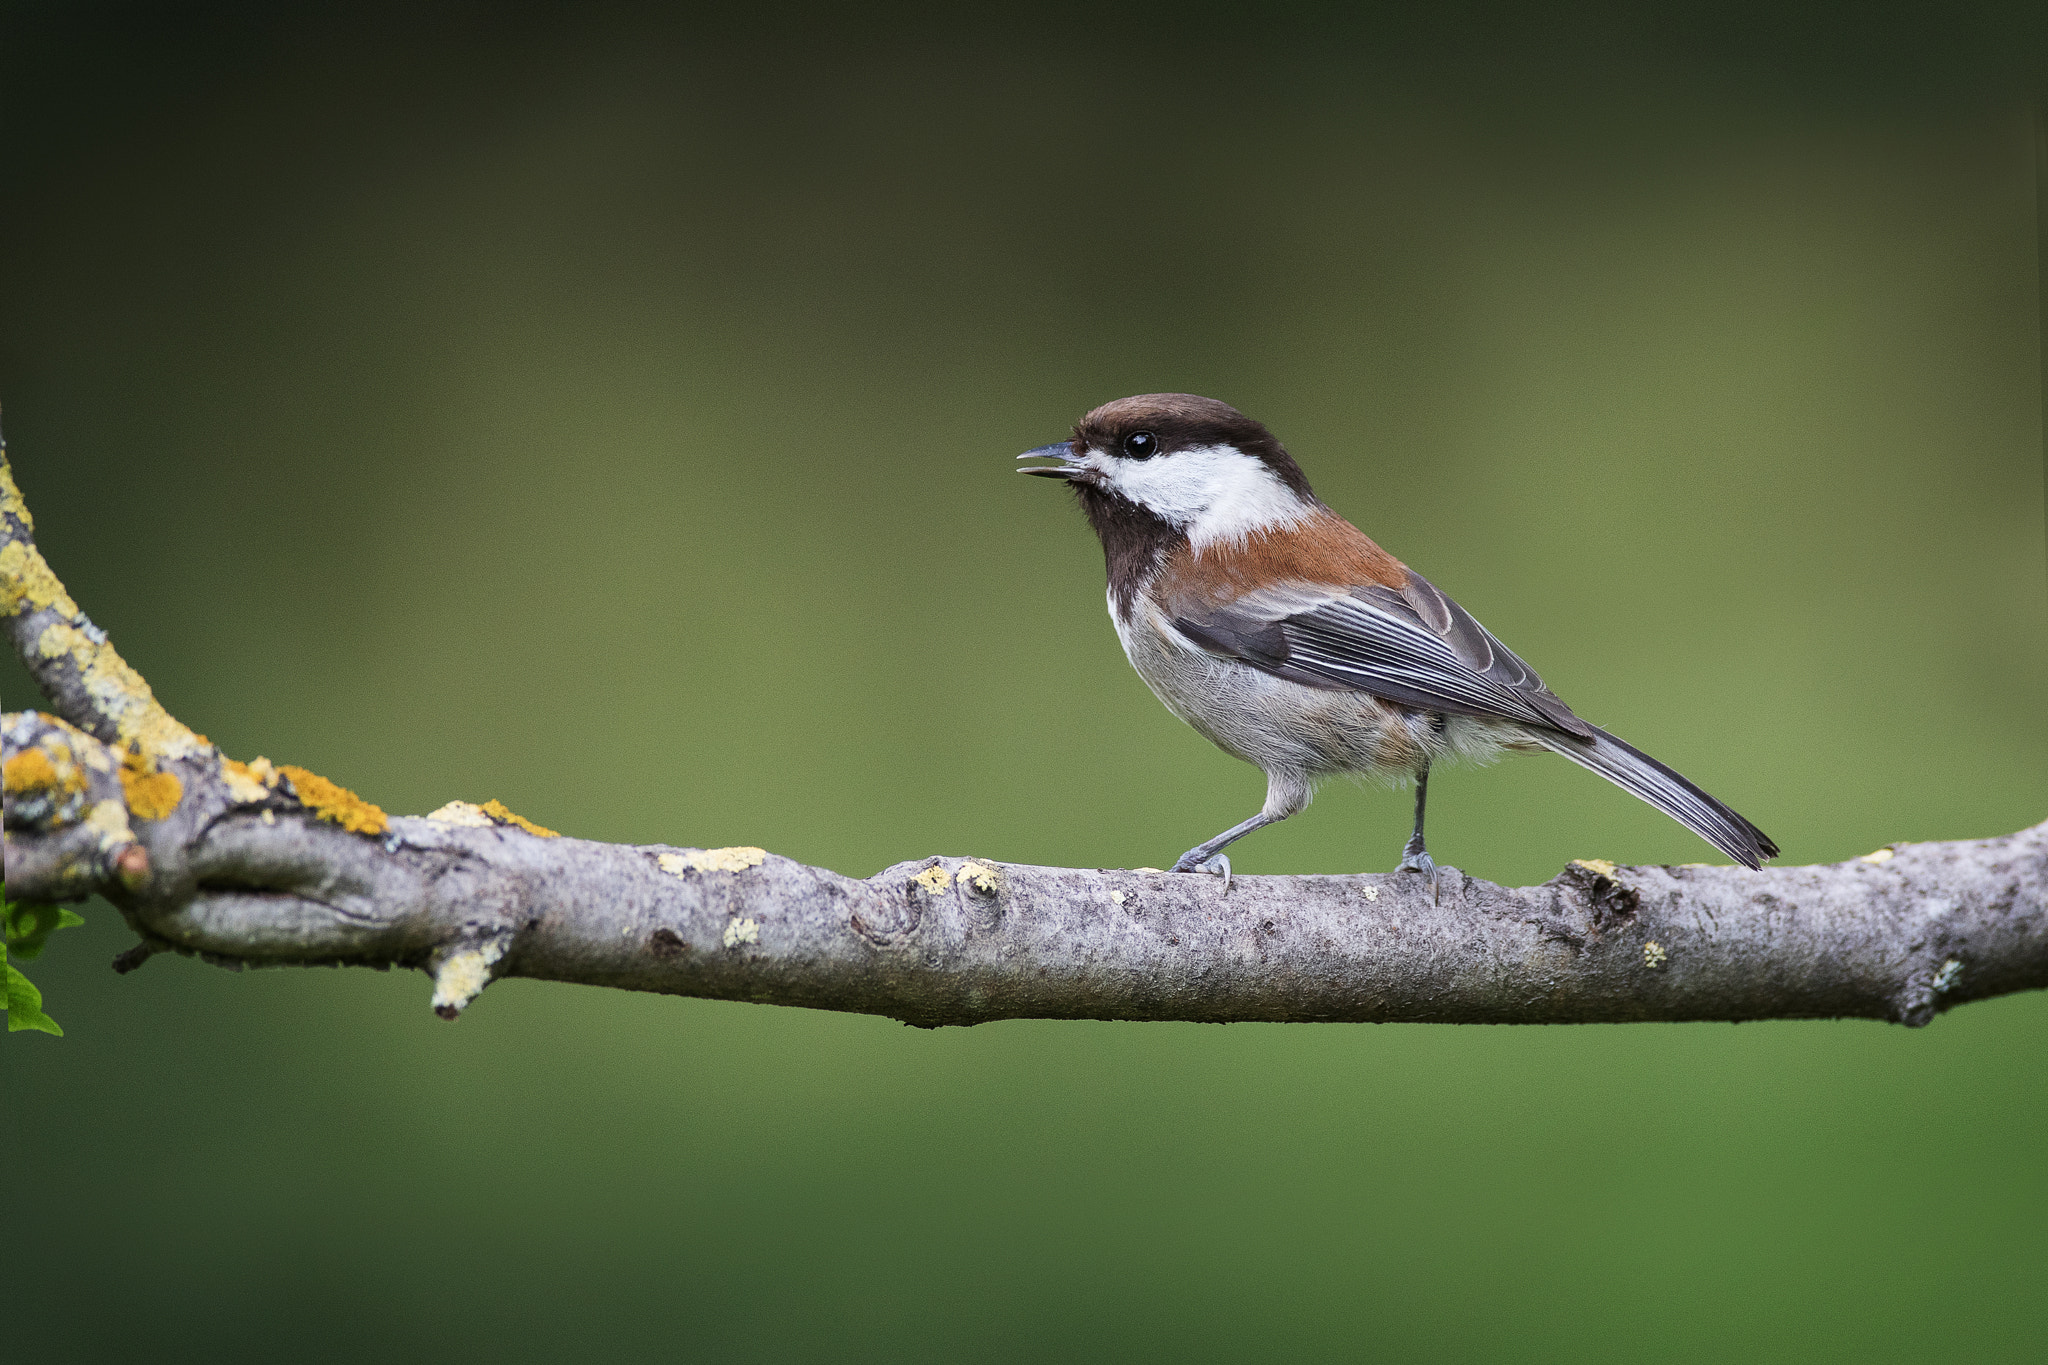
<point>934,879</point>
<point>95,755</point>
<point>462,814</point>
<point>491,814</point>
<point>1654,955</point>
<point>496,810</point>
<point>26,583</point>
<point>242,782</point>
<point>151,795</point>
<point>1599,865</point>
<point>1372,893</point>
<point>675,864</point>
<point>28,771</point>
<point>461,976</point>
<point>736,859</point>
<point>981,877</point>
<point>110,821</point>
<point>49,767</point>
<point>119,693</point>
<point>1883,855</point>
<point>742,931</point>
<point>10,496</point>
<point>333,802</point>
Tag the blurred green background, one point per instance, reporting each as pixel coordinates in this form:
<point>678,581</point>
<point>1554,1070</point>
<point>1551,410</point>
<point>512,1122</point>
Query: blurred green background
<point>612,413</point>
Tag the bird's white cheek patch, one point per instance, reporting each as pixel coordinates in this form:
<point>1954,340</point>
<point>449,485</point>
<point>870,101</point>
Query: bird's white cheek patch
<point>1215,493</point>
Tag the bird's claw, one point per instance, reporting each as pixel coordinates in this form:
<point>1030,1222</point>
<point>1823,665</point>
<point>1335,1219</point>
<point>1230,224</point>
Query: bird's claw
<point>1420,861</point>
<point>1218,865</point>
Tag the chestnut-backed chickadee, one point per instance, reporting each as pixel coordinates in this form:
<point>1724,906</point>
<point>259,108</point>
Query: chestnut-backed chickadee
<point>1284,635</point>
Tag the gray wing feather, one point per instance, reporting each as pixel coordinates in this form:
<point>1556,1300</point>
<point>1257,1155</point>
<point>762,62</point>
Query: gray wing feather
<point>1413,645</point>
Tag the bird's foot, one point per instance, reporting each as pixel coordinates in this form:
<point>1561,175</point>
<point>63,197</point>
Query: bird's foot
<point>1217,865</point>
<point>1418,860</point>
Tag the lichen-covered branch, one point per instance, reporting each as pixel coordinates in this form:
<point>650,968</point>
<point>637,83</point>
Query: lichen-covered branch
<point>70,657</point>
<point>264,864</point>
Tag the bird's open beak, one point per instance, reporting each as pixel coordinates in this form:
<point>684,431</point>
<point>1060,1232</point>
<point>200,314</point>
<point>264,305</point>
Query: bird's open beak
<point>1067,468</point>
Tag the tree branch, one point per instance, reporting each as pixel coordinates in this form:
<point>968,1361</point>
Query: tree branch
<point>272,865</point>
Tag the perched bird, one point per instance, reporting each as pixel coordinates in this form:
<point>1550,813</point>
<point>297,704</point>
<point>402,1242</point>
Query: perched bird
<point>1287,638</point>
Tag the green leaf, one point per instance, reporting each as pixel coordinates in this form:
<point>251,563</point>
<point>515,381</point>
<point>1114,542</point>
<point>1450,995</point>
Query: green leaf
<point>29,927</point>
<point>25,1003</point>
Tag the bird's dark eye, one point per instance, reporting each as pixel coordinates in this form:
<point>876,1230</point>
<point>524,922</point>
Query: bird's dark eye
<point>1141,445</point>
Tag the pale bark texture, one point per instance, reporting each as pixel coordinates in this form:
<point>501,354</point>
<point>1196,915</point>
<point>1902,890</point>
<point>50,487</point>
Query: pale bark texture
<point>260,865</point>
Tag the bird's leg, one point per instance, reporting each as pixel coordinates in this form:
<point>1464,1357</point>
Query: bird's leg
<point>1287,792</point>
<point>1209,857</point>
<point>1415,857</point>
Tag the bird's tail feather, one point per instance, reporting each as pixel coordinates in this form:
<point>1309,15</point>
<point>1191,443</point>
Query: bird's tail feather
<point>1636,772</point>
